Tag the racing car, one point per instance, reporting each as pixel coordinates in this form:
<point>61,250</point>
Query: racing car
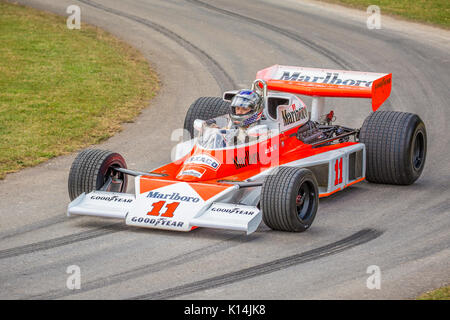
<point>291,158</point>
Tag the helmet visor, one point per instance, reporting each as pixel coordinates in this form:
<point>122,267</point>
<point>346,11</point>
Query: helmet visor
<point>242,103</point>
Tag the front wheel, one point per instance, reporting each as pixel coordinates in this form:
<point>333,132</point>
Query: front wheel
<point>93,169</point>
<point>289,199</point>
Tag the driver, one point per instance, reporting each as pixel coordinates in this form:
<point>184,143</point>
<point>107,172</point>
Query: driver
<point>246,110</point>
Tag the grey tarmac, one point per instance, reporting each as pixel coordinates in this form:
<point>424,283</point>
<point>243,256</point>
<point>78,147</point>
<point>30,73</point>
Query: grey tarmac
<point>201,48</point>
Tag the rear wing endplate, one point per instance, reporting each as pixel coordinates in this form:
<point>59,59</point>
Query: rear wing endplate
<point>328,83</point>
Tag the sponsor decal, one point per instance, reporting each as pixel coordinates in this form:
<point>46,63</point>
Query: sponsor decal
<point>205,160</point>
<point>173,196</point>
<point>111,198</point>
<point>329,78</point>
<point>191,172</point>
<point>290,117</point>
<point>235,210</point>
<point>247,159</point>
<point>154,222</point>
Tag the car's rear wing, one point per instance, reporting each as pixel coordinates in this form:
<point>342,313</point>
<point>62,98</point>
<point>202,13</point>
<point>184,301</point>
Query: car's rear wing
<point>328,83</point>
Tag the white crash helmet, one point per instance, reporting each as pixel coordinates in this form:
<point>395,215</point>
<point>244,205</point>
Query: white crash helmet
<point>248,99</point>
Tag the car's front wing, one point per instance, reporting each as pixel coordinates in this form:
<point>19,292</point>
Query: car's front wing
<point>170,205</point>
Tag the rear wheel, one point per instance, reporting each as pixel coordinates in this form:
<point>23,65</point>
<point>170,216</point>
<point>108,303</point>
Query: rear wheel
<point>289,199</point>
<point>205,108</point>
<point>92,169</point>
<point>396,146</point>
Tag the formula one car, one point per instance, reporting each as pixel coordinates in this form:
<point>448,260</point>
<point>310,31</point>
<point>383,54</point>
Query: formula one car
<point>289,160</point>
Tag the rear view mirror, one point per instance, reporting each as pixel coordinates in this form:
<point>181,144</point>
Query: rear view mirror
<point>229,95</point>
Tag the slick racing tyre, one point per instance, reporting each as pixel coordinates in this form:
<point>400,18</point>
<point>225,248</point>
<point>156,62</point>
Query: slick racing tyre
<point>92,168</point>
<point>396,147</point>
<point>289,199</point>
<point>204,108</point>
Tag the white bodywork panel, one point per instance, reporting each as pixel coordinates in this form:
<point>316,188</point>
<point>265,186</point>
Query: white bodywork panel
<point>103,204</point>
<point>235,217</point>
<point>173,207</point>
<point>338,165</point>
<point>324,167</point>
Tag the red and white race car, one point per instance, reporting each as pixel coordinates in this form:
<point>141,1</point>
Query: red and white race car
<point>277,174</point>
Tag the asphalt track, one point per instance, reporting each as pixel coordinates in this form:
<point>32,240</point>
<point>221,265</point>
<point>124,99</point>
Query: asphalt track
<point>202,48</point>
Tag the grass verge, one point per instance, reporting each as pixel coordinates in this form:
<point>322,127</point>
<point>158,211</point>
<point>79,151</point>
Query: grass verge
<point>438,294</point>
<point>433,12</point>
<point>61,89</point>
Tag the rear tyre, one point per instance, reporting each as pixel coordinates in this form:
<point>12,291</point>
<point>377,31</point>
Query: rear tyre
<point>289,199</point>
<point>92,168</point>
<point>204,108</point>
<point>396,147</point>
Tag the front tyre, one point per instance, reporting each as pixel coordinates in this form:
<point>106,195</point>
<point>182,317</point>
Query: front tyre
<point>92,169</point>
<point>289,199</point>
<point>396,147</point>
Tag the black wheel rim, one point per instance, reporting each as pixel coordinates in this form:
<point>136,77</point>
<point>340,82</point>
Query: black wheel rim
<point>418,151</point>
<point>305,200</point>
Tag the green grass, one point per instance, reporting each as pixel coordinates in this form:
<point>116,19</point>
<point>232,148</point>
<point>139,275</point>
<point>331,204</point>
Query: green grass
<point>61,89</point>
<point>438,294</point>
<point>434,12</point>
